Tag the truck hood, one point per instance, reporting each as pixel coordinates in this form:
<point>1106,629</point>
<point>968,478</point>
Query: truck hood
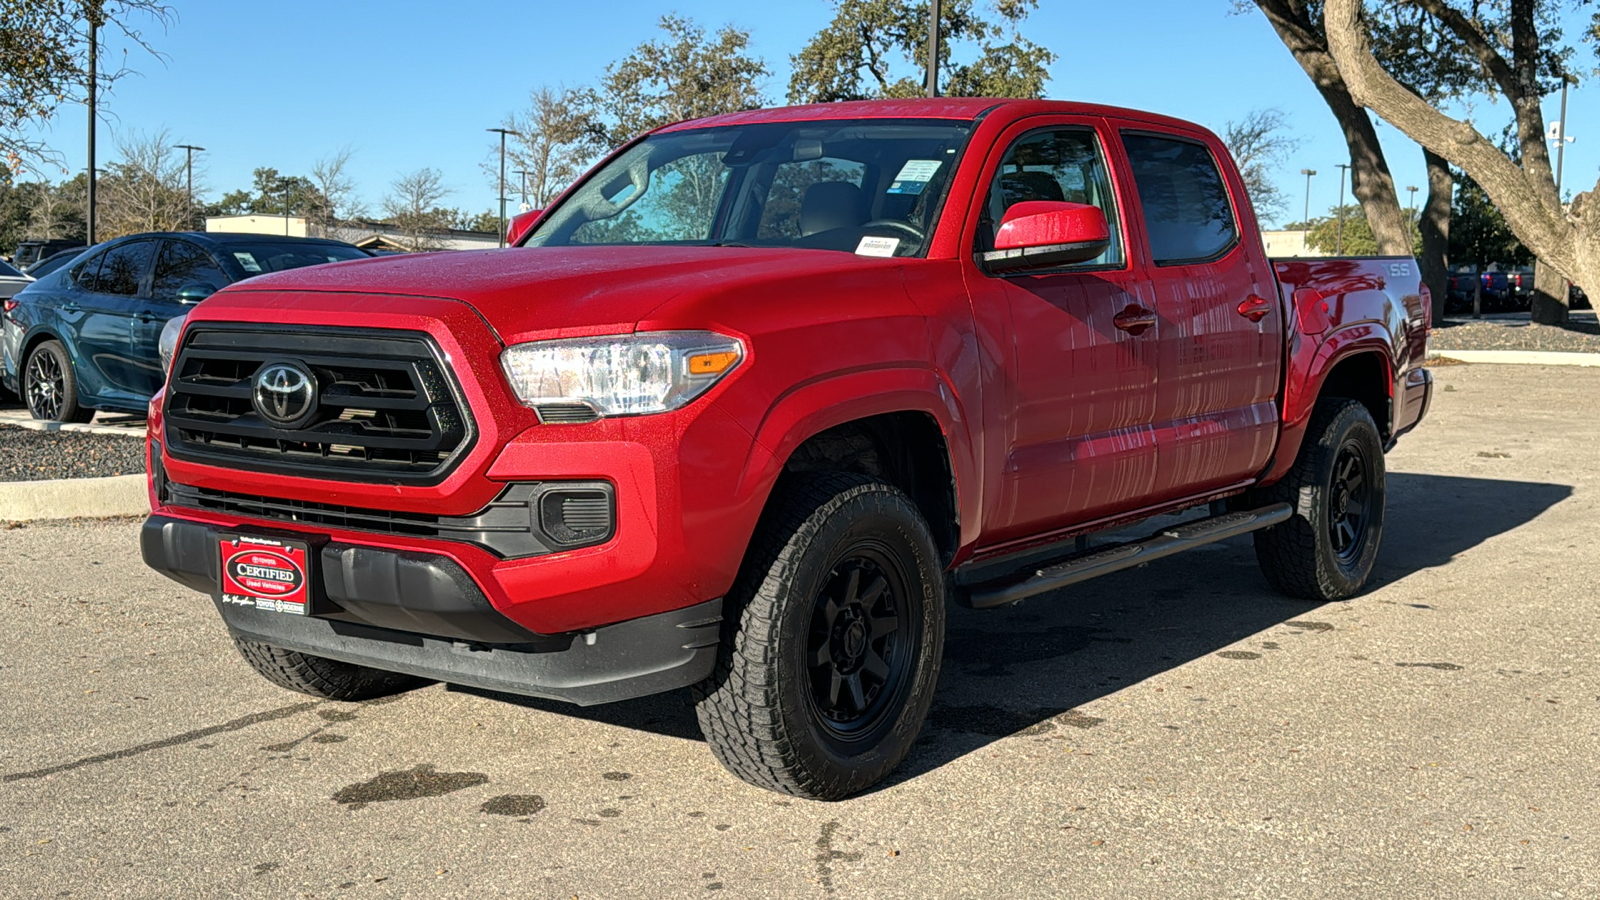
<point>528,293</point>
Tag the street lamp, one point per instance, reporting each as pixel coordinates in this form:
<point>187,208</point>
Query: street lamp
<point>1338,247</point>
<point>502,193</point>
<point>524,176</point>
<point>1305,229</point>
<point>189,150</point>
<point>1413,217</point>
<point>933,49</point>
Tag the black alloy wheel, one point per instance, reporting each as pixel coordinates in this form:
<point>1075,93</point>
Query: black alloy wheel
<point>1348,497</point>
<point>858,650</point>
<point>50,387</point>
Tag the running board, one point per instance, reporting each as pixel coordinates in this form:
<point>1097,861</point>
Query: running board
<point>1115,558</point>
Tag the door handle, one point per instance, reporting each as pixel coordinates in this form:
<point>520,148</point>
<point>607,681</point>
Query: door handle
<point>1134,319</point>
<point>144,318</point>
<point>71,306</point>
<point>1255,308</point>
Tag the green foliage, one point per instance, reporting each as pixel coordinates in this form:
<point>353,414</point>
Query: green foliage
<point>31,210</point>
<point>687,74</point>
<point>1324,233</point>
<point>878,48</point>
<point>44,63</point>
<point>1478,232</point>
<point>486,221</point>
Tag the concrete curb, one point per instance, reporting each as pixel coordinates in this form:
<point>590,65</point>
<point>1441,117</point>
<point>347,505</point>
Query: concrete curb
<point>1521,357</point>
<point>71,498</point>
<point>124,425</point>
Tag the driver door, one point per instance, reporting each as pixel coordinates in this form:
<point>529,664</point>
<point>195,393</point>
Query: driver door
<point>1077,374</point>
<point>181,267</point>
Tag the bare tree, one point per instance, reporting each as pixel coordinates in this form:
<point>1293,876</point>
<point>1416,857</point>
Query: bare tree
<point>144,190</point>
<point>554,142</point>
<point>339,205</point>
<point>1522,188</point>
<point>1259,144</point>
<point>413,206</point>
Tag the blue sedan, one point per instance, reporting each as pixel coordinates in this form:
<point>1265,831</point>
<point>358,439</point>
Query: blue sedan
<point>86,337</point>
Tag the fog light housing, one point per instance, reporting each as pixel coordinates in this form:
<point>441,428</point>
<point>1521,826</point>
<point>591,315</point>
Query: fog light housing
<point>573,517</point>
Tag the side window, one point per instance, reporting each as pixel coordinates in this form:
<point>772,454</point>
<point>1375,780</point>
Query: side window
<point>1063,164</point>
<point>87,273</point>
<point>181,264</point>
<point>123,267</point>
<point>780,217</point>
<point>1187,211</point>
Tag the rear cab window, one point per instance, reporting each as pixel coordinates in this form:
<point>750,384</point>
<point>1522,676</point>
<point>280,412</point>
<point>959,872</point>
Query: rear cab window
<point>1187,210</point>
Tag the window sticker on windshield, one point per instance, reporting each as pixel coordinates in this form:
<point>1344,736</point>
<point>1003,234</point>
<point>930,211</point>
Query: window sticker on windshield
<point>914,176</point>
<point>877,246</point>
<point>247,260</point>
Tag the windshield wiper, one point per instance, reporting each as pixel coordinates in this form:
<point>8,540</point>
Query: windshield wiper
<point>730,244</point>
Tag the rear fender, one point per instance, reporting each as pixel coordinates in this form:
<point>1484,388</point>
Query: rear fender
<point>1311,359</point>
<point>815,407</point>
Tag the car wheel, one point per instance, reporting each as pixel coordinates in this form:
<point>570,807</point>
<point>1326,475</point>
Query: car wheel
<point>318,676</point>
<point>831,641</point>
<point>1326,550</point>
<point>50,387</point>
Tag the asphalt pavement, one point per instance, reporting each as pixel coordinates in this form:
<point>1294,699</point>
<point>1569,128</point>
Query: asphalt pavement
<point>1171,731</point>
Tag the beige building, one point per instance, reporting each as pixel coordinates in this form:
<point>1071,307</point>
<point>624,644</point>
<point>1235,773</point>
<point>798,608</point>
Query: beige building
<point>1288,244</point>
<point>381,236</point>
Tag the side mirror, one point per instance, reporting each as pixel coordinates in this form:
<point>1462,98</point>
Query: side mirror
<point>1038,234</point>
<point>521,224</point>
<point>191,294</point>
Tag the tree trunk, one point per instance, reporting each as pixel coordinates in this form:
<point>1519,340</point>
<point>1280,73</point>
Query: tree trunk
<point>1548,305</point>
<point>1435,229</point>
<point>1369,170</point>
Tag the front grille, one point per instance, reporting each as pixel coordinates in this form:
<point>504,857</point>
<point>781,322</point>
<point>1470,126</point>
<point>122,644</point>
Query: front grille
<point>387,407</point>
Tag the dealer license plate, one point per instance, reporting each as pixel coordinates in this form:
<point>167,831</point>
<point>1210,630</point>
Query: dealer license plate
<point>267,573</point>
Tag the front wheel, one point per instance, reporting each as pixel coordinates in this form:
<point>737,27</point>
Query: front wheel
<point>1337,487</point>
<point>831,648</point>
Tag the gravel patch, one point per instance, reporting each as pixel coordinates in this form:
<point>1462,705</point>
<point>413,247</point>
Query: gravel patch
<point>1516,334</point>
<point>27,455</point>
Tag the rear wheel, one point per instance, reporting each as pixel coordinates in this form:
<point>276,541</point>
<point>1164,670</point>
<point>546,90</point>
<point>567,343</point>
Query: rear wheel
<point>50,387</point>
<point>1337,488</point>
<point>830,652</point>
<point>318,676</point>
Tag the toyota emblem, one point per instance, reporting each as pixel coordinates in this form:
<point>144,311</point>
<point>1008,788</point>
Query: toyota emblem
<point>285,393</point>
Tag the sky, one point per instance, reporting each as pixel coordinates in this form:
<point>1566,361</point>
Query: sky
<point>406,84</point>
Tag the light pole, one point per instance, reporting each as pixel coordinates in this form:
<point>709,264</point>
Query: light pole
<point>189,150</point>
<point>1305,230</point>
<point>933,49</point>
<point>1338,247</point>
<point>524,176</point>
<point>502,193</point>
<point>94,74</point>
<point>1413,217</point>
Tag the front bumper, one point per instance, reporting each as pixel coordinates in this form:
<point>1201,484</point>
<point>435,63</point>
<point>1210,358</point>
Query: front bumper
<point>421,614</point>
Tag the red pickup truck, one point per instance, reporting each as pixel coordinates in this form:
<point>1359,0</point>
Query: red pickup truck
<point>744,408</point>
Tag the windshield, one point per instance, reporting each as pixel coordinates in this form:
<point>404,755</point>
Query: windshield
<point>867,187</point>
<point>258,259</point>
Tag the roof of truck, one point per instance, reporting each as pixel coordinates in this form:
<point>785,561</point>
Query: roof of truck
<point>957,108</point>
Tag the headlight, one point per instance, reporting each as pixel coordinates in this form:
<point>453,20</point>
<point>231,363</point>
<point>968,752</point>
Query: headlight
<point>624,375</point>
<point>169,341</point>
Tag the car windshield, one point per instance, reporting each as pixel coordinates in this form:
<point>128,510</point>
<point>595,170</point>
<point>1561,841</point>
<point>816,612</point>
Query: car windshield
<point>272,256</point>
<point>869,187</point>
<point>6,270</point>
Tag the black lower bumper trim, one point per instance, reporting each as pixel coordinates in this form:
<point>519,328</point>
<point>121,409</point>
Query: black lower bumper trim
<point>423,615</point>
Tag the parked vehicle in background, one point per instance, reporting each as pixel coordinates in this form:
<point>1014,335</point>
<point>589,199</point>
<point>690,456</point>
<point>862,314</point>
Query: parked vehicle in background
<point>30,252</point>
<point>761,392</point>
<point>87,337</point>
<point>53,262</point>
<point>11,281</point>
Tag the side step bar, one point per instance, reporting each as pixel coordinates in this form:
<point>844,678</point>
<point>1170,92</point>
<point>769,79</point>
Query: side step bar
<point>1117,557</point>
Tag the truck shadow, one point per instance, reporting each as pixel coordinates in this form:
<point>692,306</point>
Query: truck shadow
<point>1026,670</point>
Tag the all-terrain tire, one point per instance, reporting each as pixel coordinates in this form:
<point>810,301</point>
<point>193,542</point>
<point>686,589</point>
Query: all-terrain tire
<point>50,386</point>
<point>1326,550</point>
<point>835,558</point>
<point>328,679</point>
